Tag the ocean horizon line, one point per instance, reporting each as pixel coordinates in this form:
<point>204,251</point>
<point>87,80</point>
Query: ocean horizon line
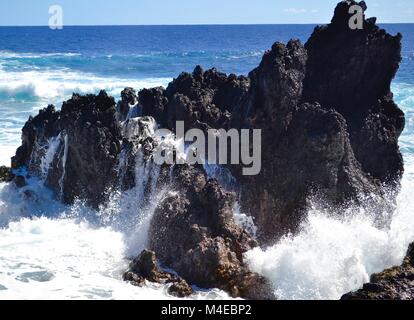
<point>192,25</point>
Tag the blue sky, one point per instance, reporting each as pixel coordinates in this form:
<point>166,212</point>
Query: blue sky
<point>144,12</point>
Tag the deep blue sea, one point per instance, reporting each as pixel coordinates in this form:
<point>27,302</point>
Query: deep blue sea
<point>38,260</point>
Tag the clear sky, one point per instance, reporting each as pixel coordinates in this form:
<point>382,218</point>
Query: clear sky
<point>145,12</point>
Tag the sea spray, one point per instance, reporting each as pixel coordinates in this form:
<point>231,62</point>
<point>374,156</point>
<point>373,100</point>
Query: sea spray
<point>65,259</point>
<point>68,251</point>
<point>53,146</point>
<point>131,211</point>
<point>64,159</point>
<point>331,256</point>
<point>244,220</point>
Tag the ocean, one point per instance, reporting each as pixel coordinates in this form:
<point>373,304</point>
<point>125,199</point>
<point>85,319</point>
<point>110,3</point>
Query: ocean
<point>51,251</point>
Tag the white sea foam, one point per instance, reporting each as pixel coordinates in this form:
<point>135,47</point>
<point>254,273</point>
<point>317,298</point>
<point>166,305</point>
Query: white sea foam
<point>332,256</point>
<point>244,220</point>
<point>53,145</point>
<point>63,163</point>
<point>52,251</point>
<point>6,152</point>
<point>57,85</point>
<point>30,55</point>
<point>63,259</point>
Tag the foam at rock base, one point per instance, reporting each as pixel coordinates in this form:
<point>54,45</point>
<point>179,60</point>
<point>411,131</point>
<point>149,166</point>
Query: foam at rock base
<point>6,153</point>
<point>64,252</point>
<point>331,256</point>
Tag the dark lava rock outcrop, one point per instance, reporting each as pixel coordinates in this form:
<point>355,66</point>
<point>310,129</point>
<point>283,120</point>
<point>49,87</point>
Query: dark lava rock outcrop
<point>194,233</point>
<point>86,139</point>
<point>326,114</point>
<point>393,284</point>
<point>145,268</point>
<point>128,101</point>
<point>351,71</point>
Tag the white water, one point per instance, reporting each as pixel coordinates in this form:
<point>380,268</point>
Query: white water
<point>332,256</point>
<point>66,259</point>
<point>6,152</point>
<point>53,146</point>
<point>52,251</point>
<point>57,85</point>
<point>63,163</point>
<point>73,252</point>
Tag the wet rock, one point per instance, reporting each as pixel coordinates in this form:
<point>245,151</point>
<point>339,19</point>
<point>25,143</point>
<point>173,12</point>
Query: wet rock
<point>312,159</point>
<point>332,153</point>
<point>128,101</point>
<point>396,283</point>
<point>153,102</point>
<point>43,125</point>
<point>6,174</point>
<point>275,197</point>
<point>145,268</point>
<point>194,233</point>
<point>88,134</point>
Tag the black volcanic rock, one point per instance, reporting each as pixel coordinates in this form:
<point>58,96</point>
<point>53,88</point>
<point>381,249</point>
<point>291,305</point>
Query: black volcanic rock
<point>396,283</point>
<point>6,174</point>
<point>313,157</point>
<point>128,99</point>
<point>145,268</point>
<point>202,99</point>
<point>351,71</point>
<point>194,233</point>
<point>88,138</point>
<point>153,102</point>
<point>335,153</point>
<point>276,86</point>
<point>44,125</point>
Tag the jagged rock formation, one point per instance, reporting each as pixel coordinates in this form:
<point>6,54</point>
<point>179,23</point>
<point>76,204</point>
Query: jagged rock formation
<point>145,268</point>
<point>329,129</point>
<point>87,141</point>
<point>128,101</point>
<point>341,80</point>
<point>351,71</point>
<point>393,284</point>
<point>193,232</point>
